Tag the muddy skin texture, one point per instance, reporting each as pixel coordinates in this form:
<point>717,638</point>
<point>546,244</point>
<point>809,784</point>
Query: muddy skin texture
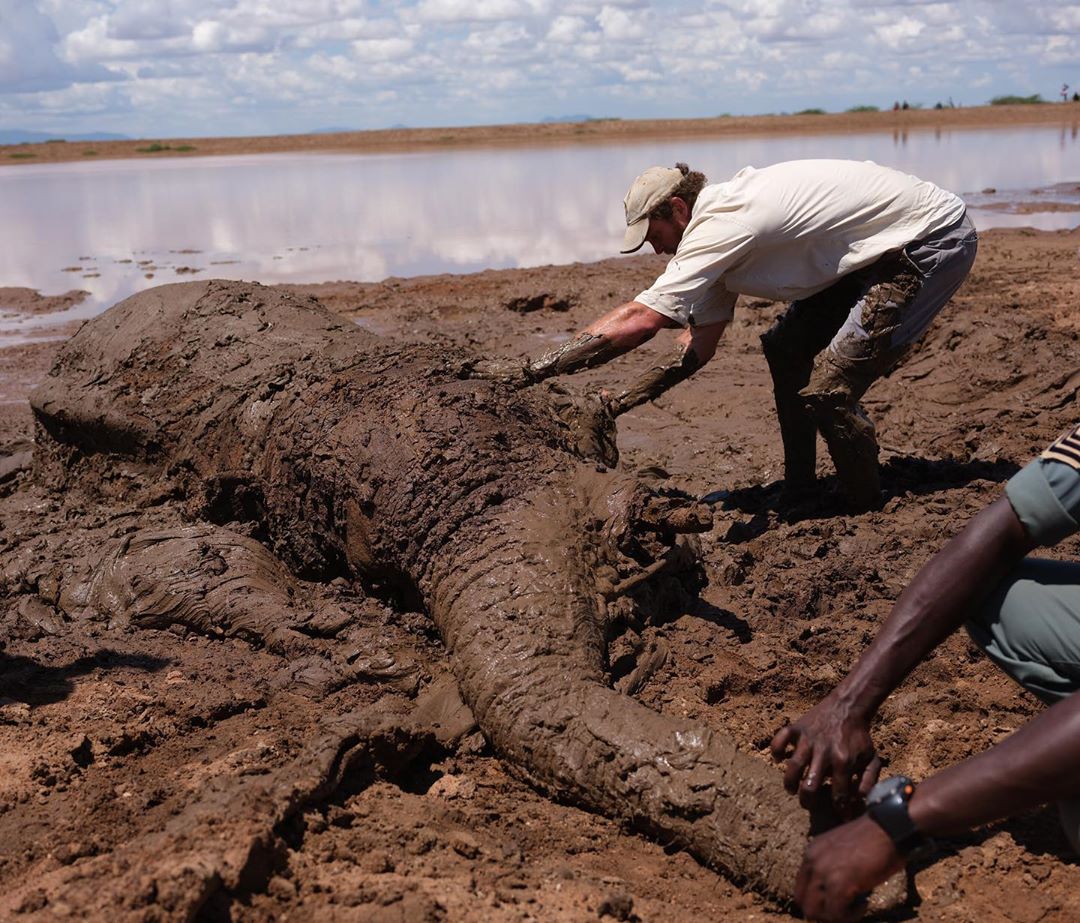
<point>349,457</point>
<point>583,352</point>
<point>222,584</point>
<point>658,379</point>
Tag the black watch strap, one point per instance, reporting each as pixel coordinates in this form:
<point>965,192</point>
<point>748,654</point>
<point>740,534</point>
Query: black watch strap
<point>887,806</point>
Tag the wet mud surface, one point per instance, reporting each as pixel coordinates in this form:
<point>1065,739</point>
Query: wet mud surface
<point>155,771</point>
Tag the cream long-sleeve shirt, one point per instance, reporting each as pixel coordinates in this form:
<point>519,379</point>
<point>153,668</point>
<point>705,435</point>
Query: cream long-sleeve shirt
<point>790,230</point>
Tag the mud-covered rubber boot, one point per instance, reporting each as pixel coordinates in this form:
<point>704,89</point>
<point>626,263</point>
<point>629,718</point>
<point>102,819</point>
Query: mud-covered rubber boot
<point>852,441</point>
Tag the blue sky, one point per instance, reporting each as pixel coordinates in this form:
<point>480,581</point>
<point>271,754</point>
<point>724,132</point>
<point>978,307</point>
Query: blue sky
<point>172,68</point>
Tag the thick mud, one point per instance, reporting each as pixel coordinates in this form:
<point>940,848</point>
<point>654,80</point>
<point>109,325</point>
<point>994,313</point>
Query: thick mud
<point>314,762</point>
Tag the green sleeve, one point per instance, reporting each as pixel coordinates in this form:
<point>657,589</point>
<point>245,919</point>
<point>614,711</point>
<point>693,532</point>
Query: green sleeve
<point>1045,495</point>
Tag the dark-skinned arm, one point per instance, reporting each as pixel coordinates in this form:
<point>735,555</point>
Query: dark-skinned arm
<point>1035,765</point>
<point>832,740</point>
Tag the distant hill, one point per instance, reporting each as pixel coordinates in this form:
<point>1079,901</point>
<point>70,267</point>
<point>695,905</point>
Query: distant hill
<point>18,136</point>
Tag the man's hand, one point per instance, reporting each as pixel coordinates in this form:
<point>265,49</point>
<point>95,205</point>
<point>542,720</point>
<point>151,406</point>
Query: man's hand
<point>503,370</point>
<point>828,742</point>
<point>590,424</point>
<point>841,868</point>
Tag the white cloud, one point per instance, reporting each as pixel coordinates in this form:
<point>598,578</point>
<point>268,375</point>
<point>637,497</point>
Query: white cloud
<point>217,66</point>
<point>94,43</point>
<point>29,58</point>
<point>619,25</point>
<point>900,31</point>
<point>472,10</point>
<point>499,38</point>
<point>209,36</point>
<point>842,59</point>
<point>382,49</point>
<point>348,29</point>
<point>148,19</point>
<point>1063,50</point>
<point>566,29</point>
<point>799,21</point>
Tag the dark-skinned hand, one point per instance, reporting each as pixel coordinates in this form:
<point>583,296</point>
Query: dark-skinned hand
<point>840,869</point>
<point>828,743</point>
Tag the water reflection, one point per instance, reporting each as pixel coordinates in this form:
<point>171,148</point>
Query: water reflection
<point>115,227</point>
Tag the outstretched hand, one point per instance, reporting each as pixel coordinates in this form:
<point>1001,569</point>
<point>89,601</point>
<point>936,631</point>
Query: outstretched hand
<point>590,424</point>
<point>828,743</point>
<point>503,370</point>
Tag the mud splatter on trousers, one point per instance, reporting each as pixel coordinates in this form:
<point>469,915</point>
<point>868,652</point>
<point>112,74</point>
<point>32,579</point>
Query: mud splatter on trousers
<point>819,377</point>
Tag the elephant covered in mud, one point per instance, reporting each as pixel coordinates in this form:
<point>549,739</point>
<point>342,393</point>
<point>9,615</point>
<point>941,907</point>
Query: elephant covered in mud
<point>346,456</point>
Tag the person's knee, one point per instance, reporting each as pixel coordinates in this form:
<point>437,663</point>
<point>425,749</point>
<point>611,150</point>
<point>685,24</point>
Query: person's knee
<point>1024,627</point>
<point>829,391</point>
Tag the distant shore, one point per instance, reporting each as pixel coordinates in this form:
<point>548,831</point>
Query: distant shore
<point>554,133</point>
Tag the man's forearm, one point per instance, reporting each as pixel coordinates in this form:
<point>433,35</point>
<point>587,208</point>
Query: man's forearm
<point>585,351</point>
<point>620,330</point>
<point>679,366</point>
<point>1034,766</point>
<point>936,603</point>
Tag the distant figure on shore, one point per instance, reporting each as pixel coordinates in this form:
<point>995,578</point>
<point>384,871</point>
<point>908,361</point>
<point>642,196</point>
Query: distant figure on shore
<point>896,106</point>
<point>1064,92</point>
<point>865,255</point>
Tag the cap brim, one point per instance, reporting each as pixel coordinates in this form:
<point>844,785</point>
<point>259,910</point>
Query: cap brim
<point>635,235</point>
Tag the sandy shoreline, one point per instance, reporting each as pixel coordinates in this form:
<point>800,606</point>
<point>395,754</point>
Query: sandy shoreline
<point>557,133</point>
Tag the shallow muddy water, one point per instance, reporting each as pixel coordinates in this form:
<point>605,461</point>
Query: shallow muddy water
<point>115,227</point>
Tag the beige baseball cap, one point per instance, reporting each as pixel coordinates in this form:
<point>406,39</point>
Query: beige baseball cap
<point>651,188</point>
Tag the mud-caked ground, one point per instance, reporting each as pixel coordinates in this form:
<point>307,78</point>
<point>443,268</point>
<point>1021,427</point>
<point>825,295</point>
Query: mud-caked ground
<point>163,773</point>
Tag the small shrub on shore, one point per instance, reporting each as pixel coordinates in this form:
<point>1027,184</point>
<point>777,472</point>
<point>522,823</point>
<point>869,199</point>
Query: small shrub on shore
<point>22,155</point>
<point>89,153</point>
<point>157,147</point>
<point>864,109</point>
<point>810,112</point>
<point>1031,100</point>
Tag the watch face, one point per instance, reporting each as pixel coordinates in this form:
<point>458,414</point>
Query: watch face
<point>886,788</point>
<point>887,806</point>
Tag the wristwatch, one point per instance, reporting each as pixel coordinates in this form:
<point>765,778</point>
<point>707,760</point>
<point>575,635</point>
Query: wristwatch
<point>887,806</point>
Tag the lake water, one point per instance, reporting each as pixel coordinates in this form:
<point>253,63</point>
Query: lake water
<point>116,227</point>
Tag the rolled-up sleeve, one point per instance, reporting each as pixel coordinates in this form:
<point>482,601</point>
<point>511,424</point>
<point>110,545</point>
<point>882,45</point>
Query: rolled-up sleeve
<point>1045,495</point>
<point>691,290</point>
